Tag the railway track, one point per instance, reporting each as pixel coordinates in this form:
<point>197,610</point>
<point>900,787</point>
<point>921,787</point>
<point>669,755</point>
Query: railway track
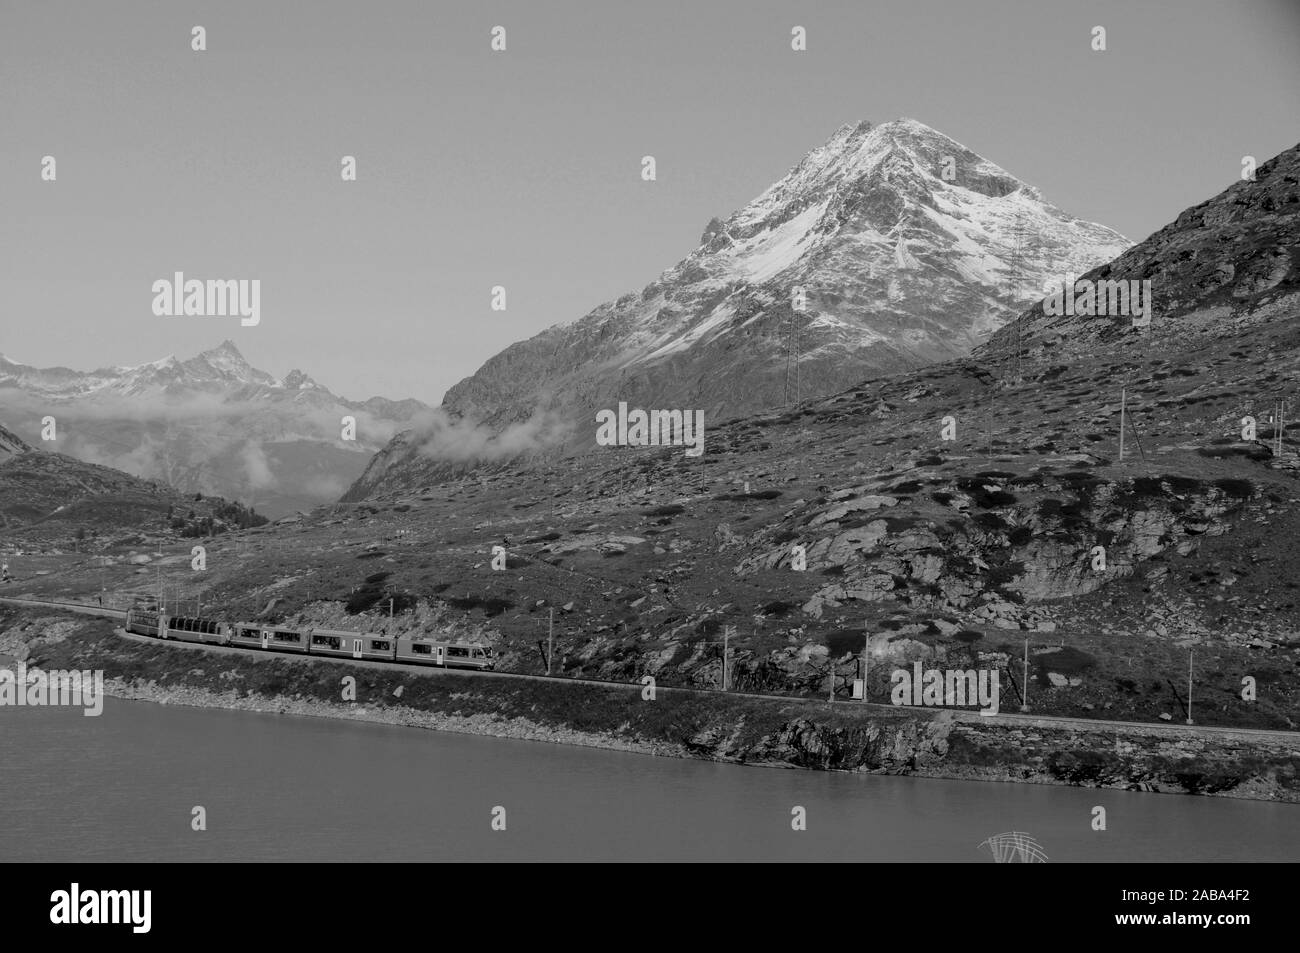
<point>1008,718</point>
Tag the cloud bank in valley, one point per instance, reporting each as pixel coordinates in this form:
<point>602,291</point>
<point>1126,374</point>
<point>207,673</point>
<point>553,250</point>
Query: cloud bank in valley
<point>439,436</point>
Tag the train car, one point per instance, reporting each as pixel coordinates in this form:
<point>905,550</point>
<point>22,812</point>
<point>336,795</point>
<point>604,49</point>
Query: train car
<point>144,620</point>
<point>203,631</point>
<point>273,638</point>
<point>422,650</point>
<point>343,644</point>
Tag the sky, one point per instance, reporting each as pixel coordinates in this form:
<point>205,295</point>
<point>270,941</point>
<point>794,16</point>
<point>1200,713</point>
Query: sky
<point>522,168</point>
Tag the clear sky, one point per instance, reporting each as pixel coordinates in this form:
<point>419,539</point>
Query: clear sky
<point>522,168</point>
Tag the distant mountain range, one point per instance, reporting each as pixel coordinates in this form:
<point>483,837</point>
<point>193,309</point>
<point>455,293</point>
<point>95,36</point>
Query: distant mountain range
<point>885,249</point>
<point>212,424</point>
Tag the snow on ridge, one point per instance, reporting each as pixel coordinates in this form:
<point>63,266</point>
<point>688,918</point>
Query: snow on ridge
<point>902,257</point>
<point>769,253</point>
<point>718,317</point>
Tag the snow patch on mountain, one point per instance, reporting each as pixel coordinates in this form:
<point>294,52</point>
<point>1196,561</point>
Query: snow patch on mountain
<point>772,251</point>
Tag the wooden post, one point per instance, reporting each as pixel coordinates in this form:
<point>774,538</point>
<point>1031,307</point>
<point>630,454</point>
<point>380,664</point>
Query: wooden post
<point>1191,656</point>
<point>550,641</point>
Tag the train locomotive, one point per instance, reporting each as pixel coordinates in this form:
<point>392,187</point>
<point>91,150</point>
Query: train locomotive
<point>154,621</point>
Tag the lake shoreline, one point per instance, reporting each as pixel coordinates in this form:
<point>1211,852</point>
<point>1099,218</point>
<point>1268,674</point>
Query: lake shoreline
<point>748,730</point>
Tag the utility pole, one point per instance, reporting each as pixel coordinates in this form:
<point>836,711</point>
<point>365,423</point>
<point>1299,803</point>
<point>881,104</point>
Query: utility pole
<point>1190,658</point>
<point>550,641</point>
<point>866,659</point>
<point>1281,416</point>
<point>1024,692</point>
<point>792,370</point>
<point>726,639</point>
<point>1123,400</point>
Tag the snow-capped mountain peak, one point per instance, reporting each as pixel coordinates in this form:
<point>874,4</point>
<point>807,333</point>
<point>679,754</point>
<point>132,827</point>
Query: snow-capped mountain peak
<point>885,248</point>
<point>297,380</point>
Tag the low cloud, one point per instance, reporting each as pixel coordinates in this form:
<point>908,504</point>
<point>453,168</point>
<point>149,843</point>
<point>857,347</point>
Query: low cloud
<point>327,489</point>
<point>257,469</point>
<point>439,436</point>
<point>211,413</point>
<point>142,460</point>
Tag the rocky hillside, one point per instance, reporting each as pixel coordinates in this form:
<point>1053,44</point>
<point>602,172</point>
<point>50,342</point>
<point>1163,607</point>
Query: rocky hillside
<point>11,444</point>
<point>51,501</point>
<point>908,247</point>
<point>211,424</point>
<point>1219,267</point>
<point>953,553</point>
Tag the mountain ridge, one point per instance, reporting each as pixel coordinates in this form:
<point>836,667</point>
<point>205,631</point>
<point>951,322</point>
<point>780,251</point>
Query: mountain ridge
<point>886,248</point>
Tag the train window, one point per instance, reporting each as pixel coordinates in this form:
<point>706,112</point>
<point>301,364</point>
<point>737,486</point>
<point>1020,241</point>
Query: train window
<point>286,636</point>
<point>418,649</point>
<point>379,646</point>
<point>330,640</point>
<point>249,633</point>
<point>457,651</point>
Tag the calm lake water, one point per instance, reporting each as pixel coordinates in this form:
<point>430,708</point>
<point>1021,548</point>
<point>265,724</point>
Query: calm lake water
<point>277,787</point>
